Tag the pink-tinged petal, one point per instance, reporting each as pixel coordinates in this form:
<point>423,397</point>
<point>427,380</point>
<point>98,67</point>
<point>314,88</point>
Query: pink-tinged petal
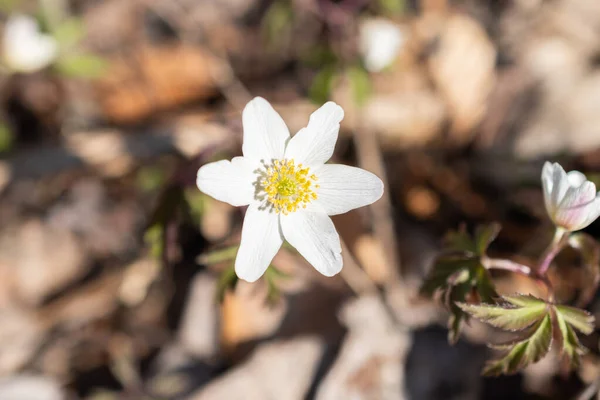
<point>265,132</point>
<point>229,181</point>
<point>577,206</point>
<point>314,236</point>
<point>314,144</point>
<point>261,239</point>
<point>343,188</point>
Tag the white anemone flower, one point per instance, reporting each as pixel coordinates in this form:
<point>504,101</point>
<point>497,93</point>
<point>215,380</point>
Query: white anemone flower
<point>289,190</point>
<point>380,42</point>
<point>25,48</point>
<point>571,200</point>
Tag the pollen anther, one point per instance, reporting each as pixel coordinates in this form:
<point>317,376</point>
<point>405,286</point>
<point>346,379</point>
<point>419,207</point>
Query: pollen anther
<point>289,186</point>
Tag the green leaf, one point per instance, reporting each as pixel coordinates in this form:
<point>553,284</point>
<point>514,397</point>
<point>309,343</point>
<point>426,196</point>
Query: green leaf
<point>570,345</point>
<point>8,5</point>
<point>150,178</point>
<point>219,256</point>
<point>153,237</point>
<point>523,300</point>
<point>525,352</point>
<point>460,241</point>
<point>322,84</point>
<point>392,7</point>
<point>277,22</point>
<point>227,281</point>
<point>581,320</point>
<point>485,235</point>
<point>271,276</point>
<point>506,317</point>
<point>360,84</point>
<point>69,32</point>
<point>81,65</point>
<point>6,138</point>
<point>457,315</point>
<point>458,279</point>
<point>197,203</point>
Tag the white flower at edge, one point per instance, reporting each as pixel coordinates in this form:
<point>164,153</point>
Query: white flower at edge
<point>571,200</point>
<point>25,49</point>
<point>289,189</point>
<point>380,42</point>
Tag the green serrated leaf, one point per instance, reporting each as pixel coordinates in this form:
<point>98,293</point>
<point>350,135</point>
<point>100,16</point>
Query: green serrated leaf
<point>507,318</point>
<point>485,235</point>
<point>458,278</point>
<point>442,272</point>
<point>528,351</point>
<point>457,315</point>
<point>523,300</point>
<point>81,65</point>
<point>579,319</point>
<point>570,345</point>
<point>485,287</point>
<point>460,241</point>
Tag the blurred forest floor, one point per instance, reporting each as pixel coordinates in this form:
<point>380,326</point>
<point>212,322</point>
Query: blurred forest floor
<point>110,286</point>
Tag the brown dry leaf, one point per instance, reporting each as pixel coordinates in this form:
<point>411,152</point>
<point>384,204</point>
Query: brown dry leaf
<point>463,69</point>
<point>216,222</point>
<point>40,260</point>
<point>198,331</point>
<point>154,79</point>
<point>30,387</point>
<point>370,363</point>
<point>281,370</point>
<point>20,336</point>
<point>371,256</point>
<point>406,119</point>
<point>246,314</point>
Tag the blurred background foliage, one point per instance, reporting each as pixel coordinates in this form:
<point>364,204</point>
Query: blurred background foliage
<point>116,278</point>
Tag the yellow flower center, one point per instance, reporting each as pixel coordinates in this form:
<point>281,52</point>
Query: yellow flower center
<point>289,186</point>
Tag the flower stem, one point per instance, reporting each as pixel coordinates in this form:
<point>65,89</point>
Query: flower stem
<point>553,249</point>
<point>506,265</point>
<point>515,267</point>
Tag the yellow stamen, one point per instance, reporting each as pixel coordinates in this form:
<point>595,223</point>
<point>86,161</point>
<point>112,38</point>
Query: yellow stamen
<point>289,186</point>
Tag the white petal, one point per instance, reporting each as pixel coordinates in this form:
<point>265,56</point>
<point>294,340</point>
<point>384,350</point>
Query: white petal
<point>343,188</point>
<point>265,133</point>
<point>576,178</point>
<point>560,184</point>
<point>229,181</point>
<point>314,144</point>
<point>314,236</point>
<point>25,48</point>
<point>577,207</point>
<point>547,186</point>
<point>380,41</point>
<point>261,239</point>
<point>593,212</point>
